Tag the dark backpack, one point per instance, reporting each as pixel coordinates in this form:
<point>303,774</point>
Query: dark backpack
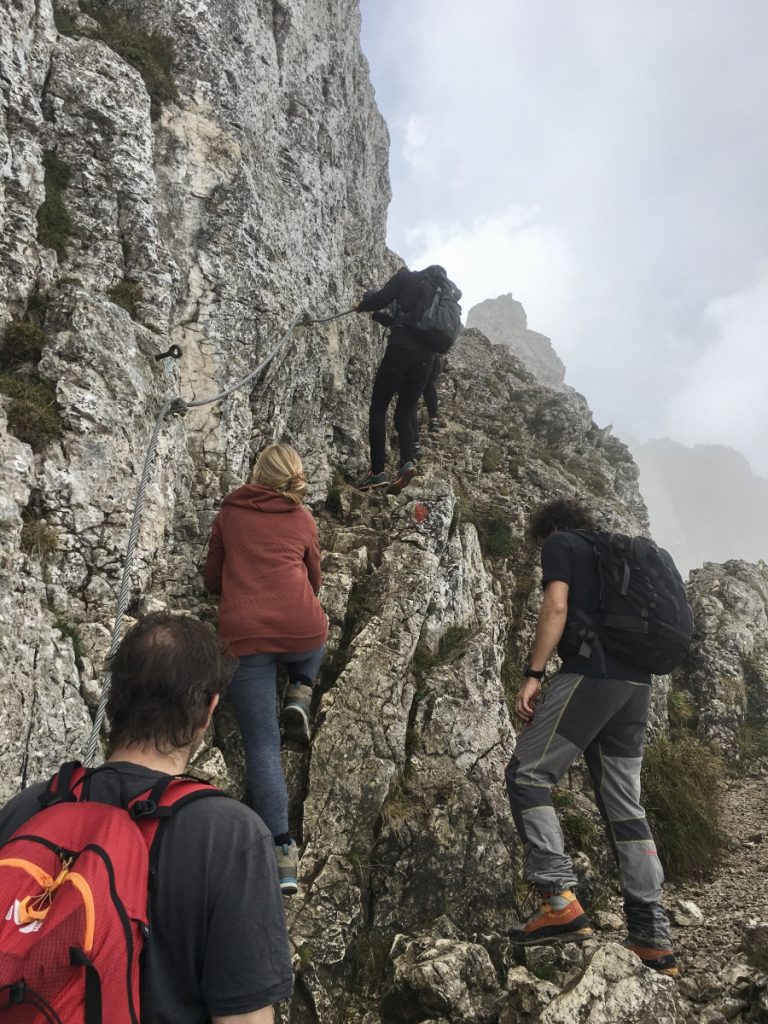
<point>435,320</point>
<point>74,882</point>
<point>645,619</point>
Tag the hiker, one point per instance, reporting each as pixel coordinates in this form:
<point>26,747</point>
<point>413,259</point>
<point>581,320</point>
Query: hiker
<point>429,394</point>
<point>264,563</point>
<point>596,705</point>
<point>217,948</point>
<point>405,367</point>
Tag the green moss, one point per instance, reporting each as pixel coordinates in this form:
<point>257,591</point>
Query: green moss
<point>753,741</point>
<point>21,343</point>
<point>369,963</point>
<point>126,294</point>
<point>424,660</point>
<point>37,538</point>
<point>70,630</point>
<point>580,829</point>
<point>151,53</point>
<point>494,532</point>
<point>544,972</point>
<point>306,954</point>
<point>680,713</point>
<point>54,225</point>
<point>65,22</point>
<point>683,784</point>
<point>492,459</point>
<point>333,497</point>
<point>32,413</point>
<point>37,305</point>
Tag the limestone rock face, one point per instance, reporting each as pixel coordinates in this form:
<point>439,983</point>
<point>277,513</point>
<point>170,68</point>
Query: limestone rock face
<point>727,668</point>
<point>503,320</point>
<point>206,220</point>
<point>616,987</point>
<point>255,185</point>
<point>442,976</point>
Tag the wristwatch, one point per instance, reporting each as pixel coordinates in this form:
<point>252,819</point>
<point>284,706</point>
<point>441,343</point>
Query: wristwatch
<point>531,673</point>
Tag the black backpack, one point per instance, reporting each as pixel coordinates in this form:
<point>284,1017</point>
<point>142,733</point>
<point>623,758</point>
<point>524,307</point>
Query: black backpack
<point>645,619</point>
<point>435,320</point>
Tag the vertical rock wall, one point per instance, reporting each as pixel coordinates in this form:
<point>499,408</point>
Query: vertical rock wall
<point>254,187</point>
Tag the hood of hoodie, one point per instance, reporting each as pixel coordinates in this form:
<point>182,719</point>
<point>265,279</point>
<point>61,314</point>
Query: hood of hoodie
<point>260,499</point>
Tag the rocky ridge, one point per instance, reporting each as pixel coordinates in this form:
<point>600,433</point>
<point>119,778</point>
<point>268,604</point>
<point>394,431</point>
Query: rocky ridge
<point>504,321</point>
<point>255,186</point>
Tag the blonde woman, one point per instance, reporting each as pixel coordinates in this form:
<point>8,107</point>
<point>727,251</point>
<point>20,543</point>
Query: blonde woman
<point>264,562</point>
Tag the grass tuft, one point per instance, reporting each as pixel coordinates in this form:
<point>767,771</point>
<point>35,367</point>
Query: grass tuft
<point>683,786</point>
<point>38,538</point>
<point>32,413</point>
<point>70,630</point>
<point>494,532</point>
<point>127,295</point>
<point>151,53</point>
<point>54,225</point>
<point>492,459</point>
<point>22,343</point>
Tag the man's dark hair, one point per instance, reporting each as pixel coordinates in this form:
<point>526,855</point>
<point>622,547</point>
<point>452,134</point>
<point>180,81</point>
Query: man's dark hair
<point>559,514</point>
<point>164,674</point>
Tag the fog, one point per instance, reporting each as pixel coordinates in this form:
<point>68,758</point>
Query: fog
<point>605,163</point>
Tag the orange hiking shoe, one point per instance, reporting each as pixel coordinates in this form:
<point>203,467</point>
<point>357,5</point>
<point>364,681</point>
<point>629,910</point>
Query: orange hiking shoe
<point>660,960</point>
<point>560,918</point>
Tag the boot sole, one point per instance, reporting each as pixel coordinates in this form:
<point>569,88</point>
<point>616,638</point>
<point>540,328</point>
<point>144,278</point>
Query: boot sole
<point>402,482</point>
<point>548,937</point>
<point>295,725</point>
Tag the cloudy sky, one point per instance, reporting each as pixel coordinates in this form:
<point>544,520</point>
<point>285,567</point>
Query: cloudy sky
<point>606,161</point>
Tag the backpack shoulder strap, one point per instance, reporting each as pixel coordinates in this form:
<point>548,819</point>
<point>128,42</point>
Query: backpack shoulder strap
<point>153,808</point>
<point>61,787</point>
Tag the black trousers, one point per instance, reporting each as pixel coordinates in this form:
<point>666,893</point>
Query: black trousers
<point>404,371</point>
<point>430,394</point>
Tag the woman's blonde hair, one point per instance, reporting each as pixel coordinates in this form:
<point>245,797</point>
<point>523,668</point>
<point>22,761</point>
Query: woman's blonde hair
<point>279,468</point>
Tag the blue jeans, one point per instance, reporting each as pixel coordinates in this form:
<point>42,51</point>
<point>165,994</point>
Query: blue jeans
<point>254,696</point>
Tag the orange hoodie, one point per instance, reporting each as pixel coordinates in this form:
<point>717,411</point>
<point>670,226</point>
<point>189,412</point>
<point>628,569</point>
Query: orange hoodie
<point>264,562</point>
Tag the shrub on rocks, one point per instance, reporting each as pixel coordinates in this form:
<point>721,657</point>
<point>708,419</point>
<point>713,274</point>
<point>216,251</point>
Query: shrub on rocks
<point>683,786</point>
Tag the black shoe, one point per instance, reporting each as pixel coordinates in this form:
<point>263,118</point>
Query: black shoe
<point>374,482</point>
<point>407,473</point>
<point>434,424</point>
<point>418,452</point>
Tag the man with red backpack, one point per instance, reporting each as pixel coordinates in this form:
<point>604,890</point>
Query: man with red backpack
<point>129,894</point>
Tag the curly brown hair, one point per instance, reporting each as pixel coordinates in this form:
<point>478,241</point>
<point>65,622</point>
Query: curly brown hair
<point>558,514</point>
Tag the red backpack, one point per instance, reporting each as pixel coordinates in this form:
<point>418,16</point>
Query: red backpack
<point>74,883</point>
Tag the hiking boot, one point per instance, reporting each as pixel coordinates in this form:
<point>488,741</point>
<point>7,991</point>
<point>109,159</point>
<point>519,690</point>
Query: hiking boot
<point>560,918</point>
<point>296,703</point>
<point>287,857</point>
<point>660,960</point>
<point>434,424</point>
<point>418,452</point>
<point>374,481</point>
<point>407,473</point>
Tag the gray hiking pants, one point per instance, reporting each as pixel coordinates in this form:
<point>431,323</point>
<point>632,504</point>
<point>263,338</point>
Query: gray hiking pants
<point>604,719</point>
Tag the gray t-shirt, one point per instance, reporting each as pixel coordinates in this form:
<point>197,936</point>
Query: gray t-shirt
<point>217,943</point>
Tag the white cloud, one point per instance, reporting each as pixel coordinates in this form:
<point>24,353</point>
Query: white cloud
<point>604,163</point>
<point>414,133</point>
<point>486,256</point>
<point>723,398</point>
